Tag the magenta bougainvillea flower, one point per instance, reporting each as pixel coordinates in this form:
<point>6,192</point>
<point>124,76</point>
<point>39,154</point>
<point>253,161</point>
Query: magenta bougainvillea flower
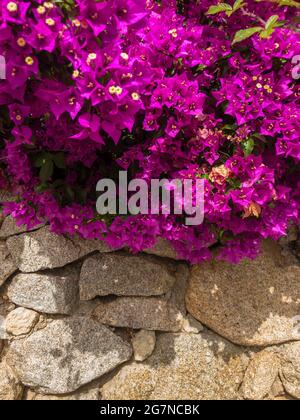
<point>162,89</point>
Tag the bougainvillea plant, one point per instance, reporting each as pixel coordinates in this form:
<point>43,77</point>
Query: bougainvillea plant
<point>171,89</point>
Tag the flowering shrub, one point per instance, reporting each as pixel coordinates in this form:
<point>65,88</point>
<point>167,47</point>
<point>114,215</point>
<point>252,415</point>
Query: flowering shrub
<point>175,89</point>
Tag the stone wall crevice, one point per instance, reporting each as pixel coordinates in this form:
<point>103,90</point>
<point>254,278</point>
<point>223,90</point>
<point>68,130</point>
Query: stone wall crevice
<point>79,321</point>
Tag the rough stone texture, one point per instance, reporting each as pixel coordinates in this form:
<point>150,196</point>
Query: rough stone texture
<point>87,393</point>
<point>3,334</point>
<point>191,325</point>
<point>284,398</point>
<point>67,354</point>
<point>124,275</point>
<point>7,265</point>
<point>290,368</point>
<point>163,248</point>
<point>10,228</point>
<point>277,389</point>
<point>183,366</point>
<point>134,312</point>
<point>143,345</point>
<point>260,375</point>
<point>297,248</point>
<point>164,313</point>
<point>5,308</point>
<point>21,321</point>
<point>87,307</point>
<point>10,387</point>
<point>52,292</point>
<point>253,303</point>
<point>42,249</point>
<point>64,358</point>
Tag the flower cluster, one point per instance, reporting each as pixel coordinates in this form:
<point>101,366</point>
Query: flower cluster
<point>155,87</point>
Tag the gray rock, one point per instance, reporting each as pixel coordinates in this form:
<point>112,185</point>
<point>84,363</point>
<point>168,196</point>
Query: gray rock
<point>87,307</point>
<point>260,375</point>
<point>298,248</point>
<point>290,368</point>
<point>21,321</point>
<point>165,313</point>
<point>42,249</point>
<point>51,292</point>
<point>143,344</point>
<point>66,355</point>
<point>10,387</point>
<point>5,308</point>
<point>285,397</point>
<point>150,313</point>
<point>7,265</point>
<point>164,249</point>
<point>10,228</point>
<point>124,275</point>
<point>191,325</point>
<point>277,389</point>
<point>3,333</point>
<point>253,303</point>
<point>87,393</point>
<point>182,367</point>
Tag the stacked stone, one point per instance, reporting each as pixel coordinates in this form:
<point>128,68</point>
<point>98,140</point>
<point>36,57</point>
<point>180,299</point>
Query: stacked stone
<point>79,321</point>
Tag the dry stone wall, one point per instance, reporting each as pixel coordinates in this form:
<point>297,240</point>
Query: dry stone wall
<point>80,322</point>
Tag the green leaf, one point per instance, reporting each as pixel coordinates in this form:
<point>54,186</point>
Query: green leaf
<point>41,159</point>
<point>46,171</point>
<point>238,4</point>
<point>234,183</point>
<point>59,160</point>
<point>224,7</point>
<point>259,137</point>
<point>290,3</point>
<point>248,146</point>
<point>200,67</point>
<point>271,22</point>
<point>58,183</point>
<point>266,33</point>
<point>105,79</point>
<point>218,8</point>
<point>230,127</point>
<point>245,34</point>
<point>81,195</point>
<point>41,188</point>
<point>70,193</point>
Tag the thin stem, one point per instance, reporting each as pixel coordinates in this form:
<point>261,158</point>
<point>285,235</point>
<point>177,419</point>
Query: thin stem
<point>253,16</point>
